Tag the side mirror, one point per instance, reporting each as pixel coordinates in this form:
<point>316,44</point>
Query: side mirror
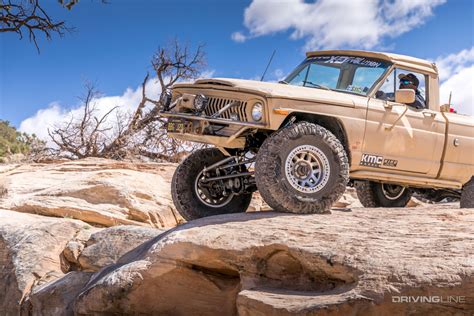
<point>405,96</point>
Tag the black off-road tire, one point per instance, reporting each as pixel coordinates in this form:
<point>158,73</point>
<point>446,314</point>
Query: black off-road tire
<point>467,195</point>
<point>371,194</point>
<point>273,183</point>
<point>183,187</point>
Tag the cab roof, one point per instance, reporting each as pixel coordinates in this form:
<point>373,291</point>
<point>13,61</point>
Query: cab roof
<point>411,63</point>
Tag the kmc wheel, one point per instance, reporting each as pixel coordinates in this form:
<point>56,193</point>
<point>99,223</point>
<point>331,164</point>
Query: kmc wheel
<point>375,194</point>
<point>302,168</point>
<point>193,198</point>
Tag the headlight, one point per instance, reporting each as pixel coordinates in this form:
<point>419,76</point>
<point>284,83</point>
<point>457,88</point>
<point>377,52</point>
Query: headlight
<point>165,99</point>
<point>200,102</point>
<point>257,111</point>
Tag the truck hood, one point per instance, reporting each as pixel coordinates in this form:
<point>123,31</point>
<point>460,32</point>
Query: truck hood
<point>276,90</point>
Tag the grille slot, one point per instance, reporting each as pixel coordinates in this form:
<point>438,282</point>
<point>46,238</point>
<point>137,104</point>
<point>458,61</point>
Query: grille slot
<point>215,104</point>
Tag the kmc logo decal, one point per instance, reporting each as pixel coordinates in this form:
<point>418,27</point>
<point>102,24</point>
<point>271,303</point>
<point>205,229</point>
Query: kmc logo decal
<point>371,160</point>
<point>376,161</point>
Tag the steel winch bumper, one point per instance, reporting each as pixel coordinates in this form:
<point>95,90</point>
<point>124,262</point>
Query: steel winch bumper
<point>232,141</point>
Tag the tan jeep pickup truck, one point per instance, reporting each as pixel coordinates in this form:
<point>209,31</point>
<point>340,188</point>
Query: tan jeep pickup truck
<point>364,118</point>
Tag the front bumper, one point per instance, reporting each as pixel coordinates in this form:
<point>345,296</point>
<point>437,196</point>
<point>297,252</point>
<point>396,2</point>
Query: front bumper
<point>218,141</point>
<point>231,141</point>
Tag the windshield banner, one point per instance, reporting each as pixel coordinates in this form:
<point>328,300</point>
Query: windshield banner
<point>347,59</point>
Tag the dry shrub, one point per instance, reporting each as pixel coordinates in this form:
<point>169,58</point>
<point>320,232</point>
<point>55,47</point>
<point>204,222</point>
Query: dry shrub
<point>140,134</point>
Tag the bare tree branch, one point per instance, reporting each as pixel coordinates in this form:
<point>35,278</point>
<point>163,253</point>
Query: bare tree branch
<point>139,133</point>
<point>29,16</point>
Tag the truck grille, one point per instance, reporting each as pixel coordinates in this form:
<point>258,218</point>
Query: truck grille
<point>215,104</point>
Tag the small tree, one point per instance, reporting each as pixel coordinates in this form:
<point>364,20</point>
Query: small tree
<point>140,133</point>
<point>13,142</point>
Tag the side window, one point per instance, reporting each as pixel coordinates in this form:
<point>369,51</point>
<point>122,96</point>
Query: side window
<point>364,78</point>
<point>396,80</point>
<point>419,77</point>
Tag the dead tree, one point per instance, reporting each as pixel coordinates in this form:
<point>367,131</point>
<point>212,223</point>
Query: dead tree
<point>29,16</point>
<point>140,133</point>
<point>86,135</point>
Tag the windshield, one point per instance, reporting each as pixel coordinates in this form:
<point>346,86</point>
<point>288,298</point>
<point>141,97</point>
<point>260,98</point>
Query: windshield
<point>340,73</point>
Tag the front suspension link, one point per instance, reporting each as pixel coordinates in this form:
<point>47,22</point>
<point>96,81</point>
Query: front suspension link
<point>229,176</point>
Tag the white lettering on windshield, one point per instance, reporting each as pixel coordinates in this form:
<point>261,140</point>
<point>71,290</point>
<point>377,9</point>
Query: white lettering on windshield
<point>346,59</point>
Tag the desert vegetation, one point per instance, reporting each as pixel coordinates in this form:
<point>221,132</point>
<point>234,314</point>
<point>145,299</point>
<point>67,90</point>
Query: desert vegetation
<point>119,135</point>
<point>115,134</point>
<point>13,142</point>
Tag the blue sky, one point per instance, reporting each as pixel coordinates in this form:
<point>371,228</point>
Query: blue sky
<point>113,43</point>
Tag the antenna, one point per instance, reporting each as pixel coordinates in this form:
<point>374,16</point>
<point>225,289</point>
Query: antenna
<point>268,65</point>
<point>449,101</point>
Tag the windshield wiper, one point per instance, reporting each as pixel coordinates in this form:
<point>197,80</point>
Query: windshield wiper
<point>283,81</point>
<point>315,85</point>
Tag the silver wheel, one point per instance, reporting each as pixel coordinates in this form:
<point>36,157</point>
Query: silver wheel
<point>392,191</point>
<point>210,195</point>
<point>307,169</point>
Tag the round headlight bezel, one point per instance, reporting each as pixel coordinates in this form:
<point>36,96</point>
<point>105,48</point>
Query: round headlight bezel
<point>257,111</point>
<point>200,102</point>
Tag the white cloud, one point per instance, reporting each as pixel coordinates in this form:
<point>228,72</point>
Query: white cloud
<point>43,118</point>
<point>336,23</point>
<point>56,114</point>
<point>238,37</point>
<point>456,72</point>
<point>454,63</point>
<point>461,85</point>
<point>279,74</point>
<point>207,74</point>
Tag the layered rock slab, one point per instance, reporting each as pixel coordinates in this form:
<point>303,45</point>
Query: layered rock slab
<point>280,264</point>
<point>106,246</point>
<point>98,191</point>
<point>46,261</point>
<point>30,254</point>
<point>81,258</point>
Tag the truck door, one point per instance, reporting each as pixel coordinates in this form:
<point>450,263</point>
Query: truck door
<point>400,137</point>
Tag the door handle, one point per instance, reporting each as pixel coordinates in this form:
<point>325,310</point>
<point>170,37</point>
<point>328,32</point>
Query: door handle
<point>429,114</point>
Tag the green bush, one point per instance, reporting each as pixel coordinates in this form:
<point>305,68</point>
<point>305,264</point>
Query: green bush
<point>14,142</point>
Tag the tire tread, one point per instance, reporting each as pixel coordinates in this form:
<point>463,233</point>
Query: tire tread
<point>182,187</point>
<point>268,177</point>
<point>467,195</point>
